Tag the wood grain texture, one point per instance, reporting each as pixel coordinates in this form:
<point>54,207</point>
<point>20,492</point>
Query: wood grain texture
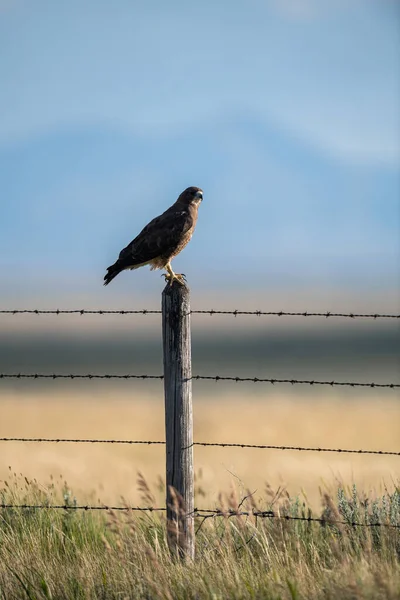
<point>178,419</point>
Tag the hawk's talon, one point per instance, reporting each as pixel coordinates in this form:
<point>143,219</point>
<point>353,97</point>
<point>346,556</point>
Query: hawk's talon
<point>181,277</point>
<point>171,277</point>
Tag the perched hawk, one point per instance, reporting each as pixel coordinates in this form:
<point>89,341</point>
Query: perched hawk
<point>162,239</point>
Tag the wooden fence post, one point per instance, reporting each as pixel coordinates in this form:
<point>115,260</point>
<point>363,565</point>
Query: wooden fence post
<point>178,419</point>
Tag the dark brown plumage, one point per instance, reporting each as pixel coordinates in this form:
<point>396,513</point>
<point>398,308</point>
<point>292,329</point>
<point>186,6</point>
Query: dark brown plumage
<point>162,239</point>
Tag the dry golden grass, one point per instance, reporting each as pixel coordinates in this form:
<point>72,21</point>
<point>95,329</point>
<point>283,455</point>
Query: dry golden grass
<point>90,554</point>
<point>282,418</point>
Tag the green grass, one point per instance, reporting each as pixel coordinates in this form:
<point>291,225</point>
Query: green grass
<point>81,554</point>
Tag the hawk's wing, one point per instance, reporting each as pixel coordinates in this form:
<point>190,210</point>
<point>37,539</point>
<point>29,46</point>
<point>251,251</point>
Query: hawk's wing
<point>159,238</point>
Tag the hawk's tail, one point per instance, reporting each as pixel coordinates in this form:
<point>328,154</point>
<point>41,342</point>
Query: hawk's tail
<point>112,272</point>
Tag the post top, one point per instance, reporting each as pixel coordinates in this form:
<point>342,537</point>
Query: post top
<point>176,289</point>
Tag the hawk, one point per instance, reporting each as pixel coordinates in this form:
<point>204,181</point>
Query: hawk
<point>162,239</point>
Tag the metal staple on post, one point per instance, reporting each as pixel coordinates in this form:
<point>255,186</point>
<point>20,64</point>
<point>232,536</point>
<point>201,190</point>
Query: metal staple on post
<point>178,419</point>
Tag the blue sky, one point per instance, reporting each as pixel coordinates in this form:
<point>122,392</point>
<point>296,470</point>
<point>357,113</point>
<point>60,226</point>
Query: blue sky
<point>286,113</point>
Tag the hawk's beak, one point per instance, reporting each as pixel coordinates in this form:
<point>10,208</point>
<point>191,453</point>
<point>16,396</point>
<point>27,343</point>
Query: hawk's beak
<point>199,197</point>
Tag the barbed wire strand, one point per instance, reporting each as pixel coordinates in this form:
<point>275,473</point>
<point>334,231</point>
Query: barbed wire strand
<point>201,444</point>
<point>211,312</point>
<point>75,376</point>
<point>82,507</point>
<point>198,378</point>
<point>272,515</point>
<point>294,381</point>
<point>201,513</point>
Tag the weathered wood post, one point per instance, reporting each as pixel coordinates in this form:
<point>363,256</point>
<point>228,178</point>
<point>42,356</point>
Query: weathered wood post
<point>178,419</point>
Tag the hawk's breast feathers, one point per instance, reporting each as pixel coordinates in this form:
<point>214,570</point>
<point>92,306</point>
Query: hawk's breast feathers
<point>163,237</point>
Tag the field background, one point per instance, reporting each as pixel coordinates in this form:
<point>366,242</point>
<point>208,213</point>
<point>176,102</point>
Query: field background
<point>344,350</point>
<point>107,472</point>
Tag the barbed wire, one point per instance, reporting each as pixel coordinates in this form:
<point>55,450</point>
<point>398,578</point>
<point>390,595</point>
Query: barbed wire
<point>83,507</point>
<point>81,441</point>
<point>202,444</point>
<point>216,378</point>
<point>200,513</point>
<point>295,381</point>
<point>211,312</point>
<point>269,514</point>
<point>75,376</point>
<point>296,448</point>
<point>82,312</point>
<point>282,313</point>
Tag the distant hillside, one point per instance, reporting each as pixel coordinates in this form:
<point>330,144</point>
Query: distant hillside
<point>366,355</point>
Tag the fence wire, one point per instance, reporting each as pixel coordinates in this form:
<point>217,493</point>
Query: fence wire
<point>201,444</point>
<point>211,312</point>
<point>82,507</point>
<point>217,378</point>
<point>201,513</point>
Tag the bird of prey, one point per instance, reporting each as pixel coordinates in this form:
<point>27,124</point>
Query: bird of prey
<point>162,239</point>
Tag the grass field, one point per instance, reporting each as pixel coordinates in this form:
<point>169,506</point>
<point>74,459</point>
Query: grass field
<point>77,554</point>
<point>51,554</point>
